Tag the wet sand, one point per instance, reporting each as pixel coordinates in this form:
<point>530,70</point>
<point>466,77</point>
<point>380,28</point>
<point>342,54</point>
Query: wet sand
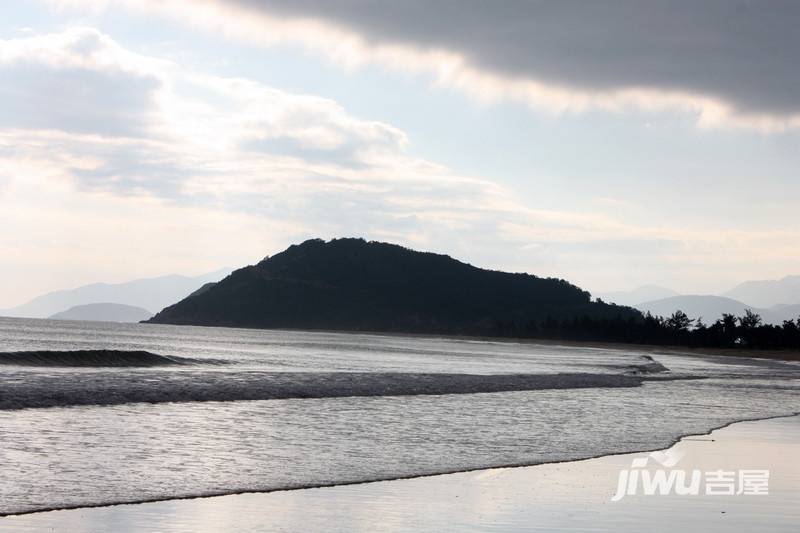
<point>573,496</point>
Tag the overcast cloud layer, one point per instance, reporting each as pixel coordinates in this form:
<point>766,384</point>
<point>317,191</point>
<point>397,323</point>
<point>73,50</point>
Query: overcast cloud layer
<point>728,62</point>
<point>744,52</point>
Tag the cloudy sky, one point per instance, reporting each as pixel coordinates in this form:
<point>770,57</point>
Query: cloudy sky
<point>610,143</point>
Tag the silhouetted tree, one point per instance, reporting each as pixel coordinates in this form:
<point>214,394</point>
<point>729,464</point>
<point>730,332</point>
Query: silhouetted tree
<point>750,320</point>
<point>679,322</point>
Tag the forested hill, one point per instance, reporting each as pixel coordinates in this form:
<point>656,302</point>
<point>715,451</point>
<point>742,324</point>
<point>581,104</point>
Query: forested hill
<point>355,285</point>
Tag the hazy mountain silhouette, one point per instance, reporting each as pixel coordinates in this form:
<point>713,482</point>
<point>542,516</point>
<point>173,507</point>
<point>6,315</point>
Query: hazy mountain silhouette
<point>645,293</point>
<point>787,311</point>
<point>104,312</point>
<point>352,284</point>
<point>151,293</point>
<point>709,307</point>
<point>767,293</point>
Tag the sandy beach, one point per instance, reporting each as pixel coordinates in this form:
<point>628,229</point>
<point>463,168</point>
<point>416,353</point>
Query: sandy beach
<point>572,496</point>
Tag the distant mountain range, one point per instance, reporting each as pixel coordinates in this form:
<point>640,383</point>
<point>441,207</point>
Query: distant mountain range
<point>150,293</point>
<point>709,307</point>
<point>104,312</point>
<point>355,285</point>
<point>775,300</point>
<point>787,310</point>
<point>644,293</point>
<point>767,293</point>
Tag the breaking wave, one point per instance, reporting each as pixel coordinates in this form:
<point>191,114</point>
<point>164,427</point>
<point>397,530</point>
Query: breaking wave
<point>648,366</point>
<point>91,358</point>
<point>115,388</point>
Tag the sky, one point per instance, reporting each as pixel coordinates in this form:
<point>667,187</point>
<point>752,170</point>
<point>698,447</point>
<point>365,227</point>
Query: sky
<point>610,143</point>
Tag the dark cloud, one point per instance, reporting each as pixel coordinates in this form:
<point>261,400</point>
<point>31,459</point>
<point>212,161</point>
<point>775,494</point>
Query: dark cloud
<point>742,52</point>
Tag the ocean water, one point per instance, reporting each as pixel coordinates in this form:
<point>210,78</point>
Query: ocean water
<point>234,410</point>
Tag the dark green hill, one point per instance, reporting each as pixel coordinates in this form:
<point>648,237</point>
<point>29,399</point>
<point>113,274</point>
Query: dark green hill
<point>355,285</point>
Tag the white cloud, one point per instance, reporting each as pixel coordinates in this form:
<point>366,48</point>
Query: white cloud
<point>209,171</point>
<point>215,164</point>
<point>78,80</point>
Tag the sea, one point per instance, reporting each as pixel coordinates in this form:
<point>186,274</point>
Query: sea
<point>95,413</point>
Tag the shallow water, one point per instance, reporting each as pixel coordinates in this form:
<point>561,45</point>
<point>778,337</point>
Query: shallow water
<point>574,496</point>
<point>77,455</point>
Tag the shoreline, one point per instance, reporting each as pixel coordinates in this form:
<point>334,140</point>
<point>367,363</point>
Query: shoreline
<point>522,465</point>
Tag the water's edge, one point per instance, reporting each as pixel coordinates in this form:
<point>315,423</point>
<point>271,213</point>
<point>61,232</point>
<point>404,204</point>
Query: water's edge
<point>232,492</point>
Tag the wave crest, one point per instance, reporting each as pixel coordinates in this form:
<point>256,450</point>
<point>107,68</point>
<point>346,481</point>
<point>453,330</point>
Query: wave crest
<point>114,388</point>
<point>90,358</point>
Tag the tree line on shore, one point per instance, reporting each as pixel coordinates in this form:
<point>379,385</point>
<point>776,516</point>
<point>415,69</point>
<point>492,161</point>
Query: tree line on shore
<point>729,331</point>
